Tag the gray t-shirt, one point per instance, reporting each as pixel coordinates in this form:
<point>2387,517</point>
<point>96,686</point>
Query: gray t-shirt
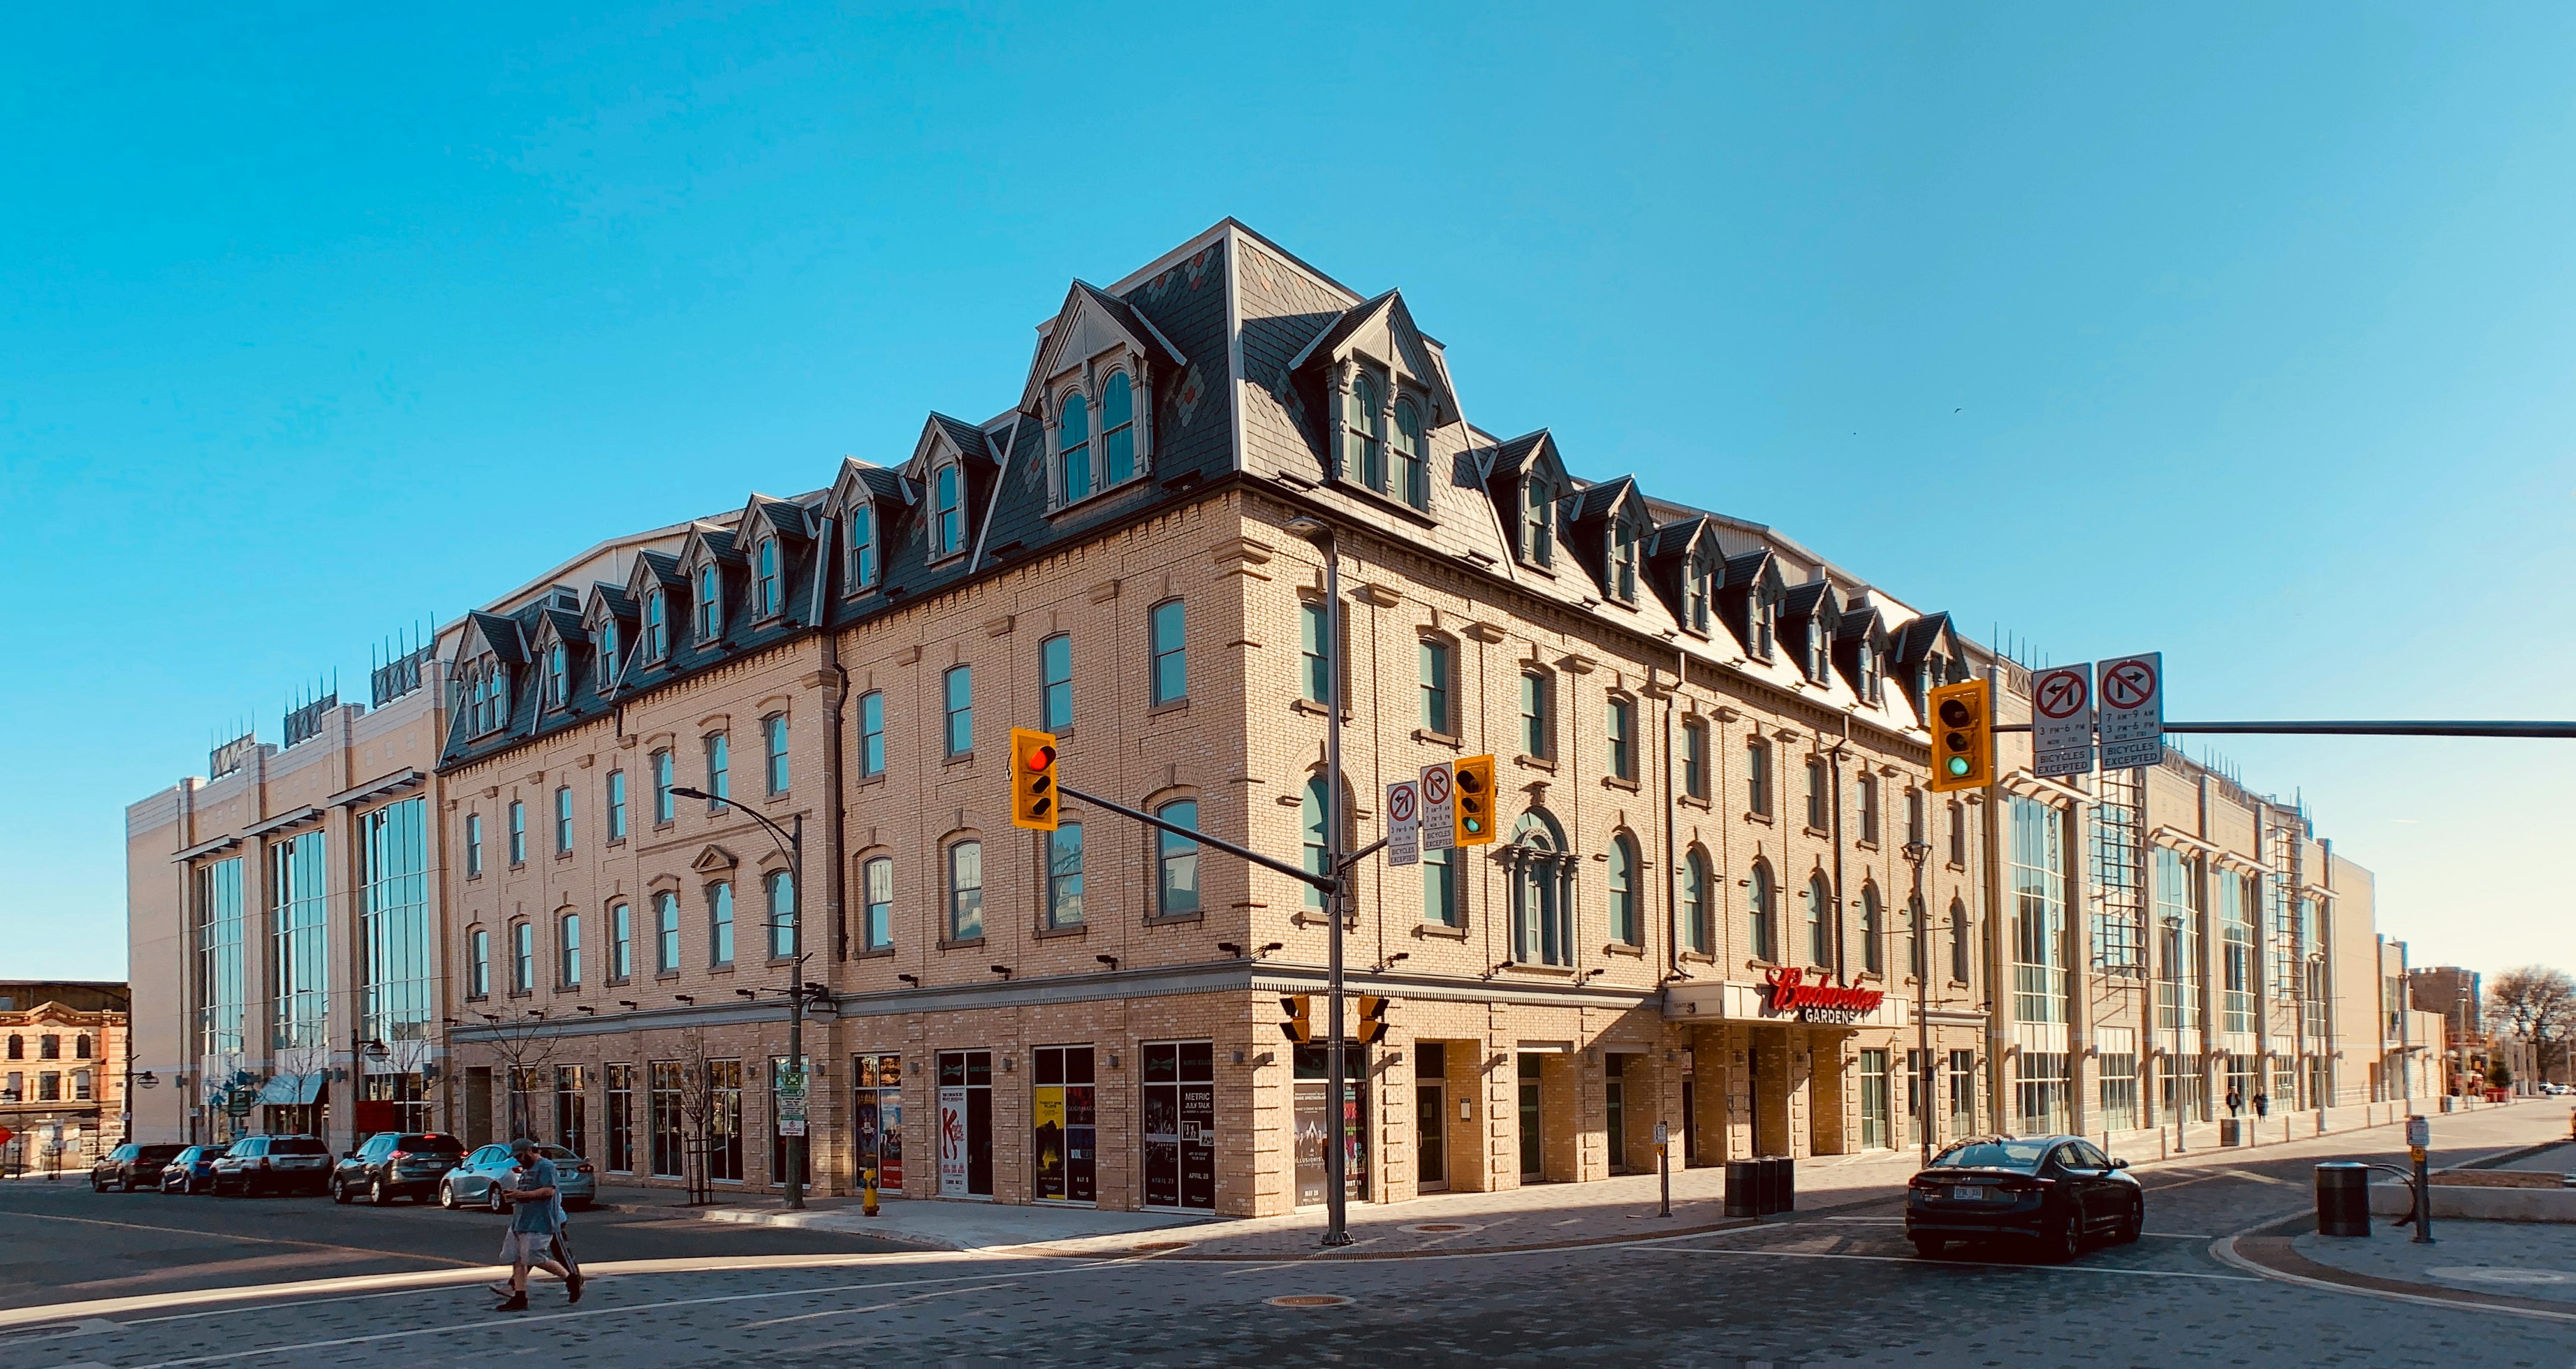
<point>536,1217</point>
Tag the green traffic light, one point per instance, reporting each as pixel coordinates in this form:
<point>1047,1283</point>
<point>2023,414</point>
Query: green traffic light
<point>1957,765</point>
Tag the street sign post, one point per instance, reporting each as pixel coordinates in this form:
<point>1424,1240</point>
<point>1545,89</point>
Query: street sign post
<point>1403,823</point>
<point>2131,691</point>
<point>2061,721</point>
<point>791,1102</point>
<point>1439,807</point>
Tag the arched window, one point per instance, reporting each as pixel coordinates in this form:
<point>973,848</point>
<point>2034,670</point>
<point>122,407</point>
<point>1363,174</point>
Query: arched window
<point>1623,558</point>
<point>773,745</point>
<point>877,925</point>
<point>710,602</point>
<point>1958,942</point>
<point>610,658</point>
<point>1815,650</point>
<point>1542,891</point>
<point>568,950</point>
<point>1868,672</point>
<point>1176,878</point>
<point>1412,483</point>
<point>1538,519</point>
<point>1697,934</point>
<point>949,512</point>
<point>1759,912</point>
<point>666,931</point>
<point>1118,430</point>
<point>780,886</point>
<point>1364,448</point>
<point>1624,922</point>
<point>720,923</point>
<point>1073,448</point>
<point>863,546</point>
<point>1766,625</point>
<point>558,675</point>
<point>766,560</point>
<point>1311,828</point>
<point>657,627</point>
<point>523,957</point>
<point>80,1046</point>
<point>966,891</point>
<point>1873,931</point>
<point>1820,907</point>
<point>1699,586</point>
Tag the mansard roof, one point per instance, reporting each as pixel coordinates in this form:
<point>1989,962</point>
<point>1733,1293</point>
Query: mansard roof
<point>1383,329</point>
<point>1090,322</point>
<point>497,633</point>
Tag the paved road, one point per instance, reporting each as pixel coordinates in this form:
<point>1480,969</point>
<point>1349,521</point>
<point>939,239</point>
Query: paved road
<point>1838,1288</point>
<point>59,1242</point>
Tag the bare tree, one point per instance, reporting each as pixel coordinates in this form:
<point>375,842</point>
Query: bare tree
<point>524,1048</point>
<point>697,1111</point>
<point>2537,1004</point>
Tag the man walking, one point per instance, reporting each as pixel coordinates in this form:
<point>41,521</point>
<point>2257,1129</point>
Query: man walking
<point>533,1224</point>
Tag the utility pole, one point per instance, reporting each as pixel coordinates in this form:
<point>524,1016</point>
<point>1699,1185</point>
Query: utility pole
<point>1337,901</point>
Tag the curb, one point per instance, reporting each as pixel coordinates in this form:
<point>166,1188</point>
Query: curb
<point>2260,1250</point>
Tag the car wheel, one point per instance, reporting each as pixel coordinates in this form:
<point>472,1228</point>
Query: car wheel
<point>376,1194</point>
<point>97,1184</point>
<point>492,1196</point>
<point>2065,1240</point>
<point>2132,1226</point>
<point>447,1197</point>
<point>126,1184</point>
<point>1929,1247</point>
<point>339,1193</point>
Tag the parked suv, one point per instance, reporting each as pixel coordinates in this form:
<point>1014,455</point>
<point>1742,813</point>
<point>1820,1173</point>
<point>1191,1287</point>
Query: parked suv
<point>130,1166</point>
<point>273,1164</point>
<point>394,1165</point>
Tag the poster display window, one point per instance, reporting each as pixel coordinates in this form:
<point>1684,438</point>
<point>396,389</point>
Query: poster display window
<point>1065,1125</point>
<point>1179,1090</point>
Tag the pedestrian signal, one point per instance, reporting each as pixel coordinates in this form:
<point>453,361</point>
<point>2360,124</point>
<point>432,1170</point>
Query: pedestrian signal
<point>1372,1024</point>
<point>1962,724</point>
<point>1472,786</point>
<point>1300,1026</point>
<point>1033,792</point>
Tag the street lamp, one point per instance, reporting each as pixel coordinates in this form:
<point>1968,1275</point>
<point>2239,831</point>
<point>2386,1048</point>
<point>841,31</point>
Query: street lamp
<point>1336,1215</point>
<point>791,844</point>
<point>1916,852</point>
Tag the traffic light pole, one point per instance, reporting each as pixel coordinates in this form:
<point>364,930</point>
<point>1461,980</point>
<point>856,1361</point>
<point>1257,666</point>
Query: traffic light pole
<point>2364,728</point>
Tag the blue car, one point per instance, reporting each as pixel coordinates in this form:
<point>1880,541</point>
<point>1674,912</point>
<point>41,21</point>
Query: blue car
<point>191,1170</point>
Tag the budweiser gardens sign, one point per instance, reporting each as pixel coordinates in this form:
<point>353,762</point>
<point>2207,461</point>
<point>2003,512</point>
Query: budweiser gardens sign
<point>1793,994</point>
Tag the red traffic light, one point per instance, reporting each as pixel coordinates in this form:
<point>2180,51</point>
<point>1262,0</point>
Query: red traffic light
<point>1041,757</point>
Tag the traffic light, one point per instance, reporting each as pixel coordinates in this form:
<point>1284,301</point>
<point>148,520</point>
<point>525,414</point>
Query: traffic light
<point>1033,793</point>
<point>1472,794</point>
<point>1372,1024</point>
<point>1963,736</point>
<point>1300,1026</point>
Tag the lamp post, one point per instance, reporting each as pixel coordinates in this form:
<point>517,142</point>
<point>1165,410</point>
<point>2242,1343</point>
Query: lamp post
<point>1916,852</point>
<point>1336,1228</point>
<point>791,844</point>
<point>2173,1062</point>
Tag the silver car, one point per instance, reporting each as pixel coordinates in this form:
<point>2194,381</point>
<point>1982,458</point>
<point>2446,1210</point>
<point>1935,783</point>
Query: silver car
<point>476,1181</point>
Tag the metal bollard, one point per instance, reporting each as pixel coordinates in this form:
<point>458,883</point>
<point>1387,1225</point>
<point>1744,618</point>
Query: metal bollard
<point>1743,1188</point>
<point>1788,1183</point>
<point>2343,1199</point>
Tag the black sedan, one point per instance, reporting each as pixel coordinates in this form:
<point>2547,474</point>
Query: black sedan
<point>191,1170</point>
<point>2058,1191</point>
<point>130,1166</point>
<point>394,1164</point>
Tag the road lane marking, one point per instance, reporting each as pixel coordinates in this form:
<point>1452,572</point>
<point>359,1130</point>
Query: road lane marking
<point>1952,1264</point>
<point>873,1307</point>
<point>232,1236</point>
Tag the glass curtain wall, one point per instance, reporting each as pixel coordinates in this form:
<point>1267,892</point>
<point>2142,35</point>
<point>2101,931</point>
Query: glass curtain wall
<point>221,989</point>
<point>393,922</point>
<point>2036,872</point>
<point>2119,943</point>
<point>299,952</point>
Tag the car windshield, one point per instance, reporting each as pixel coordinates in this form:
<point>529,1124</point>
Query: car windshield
<point>297,1145</point>
<point>161,1152</point>
<point>1996,1154</point>
<point>430,1145</point>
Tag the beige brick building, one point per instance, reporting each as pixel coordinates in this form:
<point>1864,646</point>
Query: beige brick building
<point>1710,772</point>
<point>62,1072</point>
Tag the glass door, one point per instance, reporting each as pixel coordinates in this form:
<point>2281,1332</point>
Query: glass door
<point>1064,1146</point>
<point>1533,1162</point>
<point>966,1124</point>
<point>1180,1125</point>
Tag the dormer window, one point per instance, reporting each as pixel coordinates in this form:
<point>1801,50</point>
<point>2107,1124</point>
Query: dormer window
<point>1623,560</point>
<point>1868,672</point>
<point>1118,430</point>
<point>948,511</point>
<point>558,676</point>
<point>1815,651</point>
<point>1766,625</point>
<point>765,578</point>
<point>1363,441</point>
<point>1699,586</point>
<point>487,700</point>
<point>608,657</point>
<point>1073,448</point>
<point>710,602</point>
<point>1538,520</point>
<point>657,626</point>
<point>1412,483</point>
<point>863,546</point>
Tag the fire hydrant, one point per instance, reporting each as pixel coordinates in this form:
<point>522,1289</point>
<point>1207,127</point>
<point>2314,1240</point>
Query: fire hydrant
<point>868,1195</point>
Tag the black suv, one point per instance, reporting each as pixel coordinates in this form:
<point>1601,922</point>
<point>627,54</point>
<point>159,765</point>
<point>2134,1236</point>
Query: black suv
<point>129,1167</point>
<point>394,1164</point>
<point>273,1164</point>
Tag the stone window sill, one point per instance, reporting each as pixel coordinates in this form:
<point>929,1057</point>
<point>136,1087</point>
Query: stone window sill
<point>1762,818</point>
<point>873,953</point>
<point>1179,705</point>
<point>964,944</point>
<point>1622,948</point>
<point>1176,919</point>
<point>1076,930</point>
<point>1536,763</point>
<point>1450,740</point>
<point>662,975</point>
<point>1441,930</point>
<point>1614,782</point>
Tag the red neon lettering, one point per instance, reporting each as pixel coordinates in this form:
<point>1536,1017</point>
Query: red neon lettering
<point>1790,992</point>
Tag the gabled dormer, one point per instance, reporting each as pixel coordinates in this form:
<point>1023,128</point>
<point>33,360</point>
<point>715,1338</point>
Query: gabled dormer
<point>1384,393</point>
<point>559,647</point>
<point>776,539</point>
<point>866,510</point>
<point>1749,593</point>
<point>1860,653</point>
<point>1606,527</point>
<point>609,618</point>
<point>490,659</point>
<point>1686,566</point>
<point>1925,654</point>
<point>957,469</point>
<point>661,595</point>
<point>1810,614</point>
<point>1092,385</point>
<point>1526,478</point>
<point>713,570</point>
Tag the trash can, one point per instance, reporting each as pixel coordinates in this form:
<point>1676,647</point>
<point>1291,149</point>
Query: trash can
<point>1743,1188</point>
<point>1788,1184</point>
<point>2343,1199</point>
<point>1766,1185</point>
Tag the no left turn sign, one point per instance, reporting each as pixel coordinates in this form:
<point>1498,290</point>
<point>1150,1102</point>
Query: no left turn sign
<point>2061,721</point>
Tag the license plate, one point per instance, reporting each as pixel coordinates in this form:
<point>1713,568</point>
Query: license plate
<point>1969,1193</point>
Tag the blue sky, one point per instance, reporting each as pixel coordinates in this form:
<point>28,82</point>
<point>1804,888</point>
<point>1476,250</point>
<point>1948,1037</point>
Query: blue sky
<point>2239,333</point>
